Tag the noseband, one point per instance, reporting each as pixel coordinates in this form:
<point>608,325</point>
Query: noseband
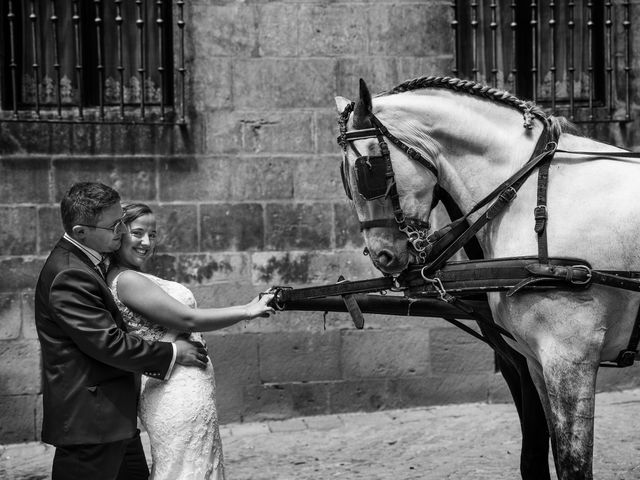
<point>370,186</point>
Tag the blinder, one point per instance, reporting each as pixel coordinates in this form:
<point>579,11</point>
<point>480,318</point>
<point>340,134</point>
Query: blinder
<point>375,178</point>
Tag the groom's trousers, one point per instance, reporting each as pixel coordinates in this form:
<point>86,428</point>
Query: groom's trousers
<point>123,460</point>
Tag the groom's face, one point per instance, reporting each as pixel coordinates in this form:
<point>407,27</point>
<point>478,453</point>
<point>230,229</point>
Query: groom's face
<point>104,237</point>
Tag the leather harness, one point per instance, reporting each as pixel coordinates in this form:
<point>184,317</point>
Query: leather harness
<point>450,281</point>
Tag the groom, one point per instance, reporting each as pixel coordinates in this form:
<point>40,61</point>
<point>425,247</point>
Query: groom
<point>91,365</point>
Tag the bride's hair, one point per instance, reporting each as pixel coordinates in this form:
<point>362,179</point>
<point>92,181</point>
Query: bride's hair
<point>133,211</point>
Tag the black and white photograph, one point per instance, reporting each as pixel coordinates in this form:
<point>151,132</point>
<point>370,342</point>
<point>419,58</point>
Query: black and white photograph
<point>319,239</point>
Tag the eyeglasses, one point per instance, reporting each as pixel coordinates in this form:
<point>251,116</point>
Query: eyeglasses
<point>116,228</point>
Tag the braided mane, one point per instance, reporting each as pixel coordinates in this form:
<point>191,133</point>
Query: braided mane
<point>528,109</point>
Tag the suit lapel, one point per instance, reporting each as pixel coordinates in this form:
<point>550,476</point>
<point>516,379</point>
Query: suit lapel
<point>108,298</point>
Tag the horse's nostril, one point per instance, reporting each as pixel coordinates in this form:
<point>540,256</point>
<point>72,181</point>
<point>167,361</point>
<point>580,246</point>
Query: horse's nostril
<point>385,258</point>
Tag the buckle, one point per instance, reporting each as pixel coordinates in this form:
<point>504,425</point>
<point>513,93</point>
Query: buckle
<point>540,212</point>
<point>626,358</point>
<point>508,194</point>
<point>587,271</point>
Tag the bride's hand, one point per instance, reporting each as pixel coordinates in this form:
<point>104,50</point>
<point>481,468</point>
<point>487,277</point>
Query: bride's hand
<point>259,306</point>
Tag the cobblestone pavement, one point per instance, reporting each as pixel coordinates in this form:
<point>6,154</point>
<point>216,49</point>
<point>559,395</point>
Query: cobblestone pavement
<point>471,441</point>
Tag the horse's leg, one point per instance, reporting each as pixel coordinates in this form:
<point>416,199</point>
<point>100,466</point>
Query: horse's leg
<point>570,385</point>
<point>534,452</point>
<point>534,455</point>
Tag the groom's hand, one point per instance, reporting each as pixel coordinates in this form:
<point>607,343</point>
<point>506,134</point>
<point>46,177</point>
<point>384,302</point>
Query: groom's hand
<point>191,353</point>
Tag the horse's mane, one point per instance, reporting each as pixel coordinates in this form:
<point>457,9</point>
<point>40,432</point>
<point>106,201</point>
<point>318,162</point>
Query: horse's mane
<point>557,125</point>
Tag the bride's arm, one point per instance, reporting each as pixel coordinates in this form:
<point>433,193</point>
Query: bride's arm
<point>149,300</point>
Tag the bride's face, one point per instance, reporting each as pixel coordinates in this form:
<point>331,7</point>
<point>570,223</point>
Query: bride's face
<point>139,243</point>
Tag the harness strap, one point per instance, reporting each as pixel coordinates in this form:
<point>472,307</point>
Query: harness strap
<point>540,211</point>
<point>411,152</point>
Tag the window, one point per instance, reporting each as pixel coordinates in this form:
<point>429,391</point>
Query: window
<point>571,56</point>
<point>100,60</point>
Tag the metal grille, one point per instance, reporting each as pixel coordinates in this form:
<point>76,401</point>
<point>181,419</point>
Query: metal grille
<point>93,61</point>
<point>573,57</point>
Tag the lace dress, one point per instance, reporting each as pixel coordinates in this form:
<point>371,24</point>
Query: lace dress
<point>179,414</point>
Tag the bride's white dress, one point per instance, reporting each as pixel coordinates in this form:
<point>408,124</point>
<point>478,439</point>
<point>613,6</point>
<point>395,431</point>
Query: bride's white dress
<point>179,414</point>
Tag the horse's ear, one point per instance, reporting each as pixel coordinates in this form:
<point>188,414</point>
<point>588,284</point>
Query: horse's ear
<point>363,108</point>
<point>341,103</point>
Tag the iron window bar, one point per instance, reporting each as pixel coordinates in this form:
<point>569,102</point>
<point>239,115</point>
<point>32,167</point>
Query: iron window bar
<point>603,88</point>
<point>91,107</point>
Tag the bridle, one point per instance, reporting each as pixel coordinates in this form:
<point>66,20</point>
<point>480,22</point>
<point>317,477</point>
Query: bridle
<point>370,186</point>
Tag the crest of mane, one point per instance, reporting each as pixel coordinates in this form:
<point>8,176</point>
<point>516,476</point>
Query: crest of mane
<point>557,124</point>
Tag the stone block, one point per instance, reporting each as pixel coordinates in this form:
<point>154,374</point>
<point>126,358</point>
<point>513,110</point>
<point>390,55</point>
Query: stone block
<point>222,131</point>
<point>50,228</point>
<point>207,268</point>
<point>18,233</point>
<point>221,178</point>
<point>455,352</point>
<point>318,178</point>
<point>223,31</point>
<point>10,315</point>
<point>162,265</point>
<point>358,395</point>
<point>267,402</point>
<point>9,139</point>
<point>235,358</point>
<point>224,294</point>
<point>61,138</point>
<point>438,390</point>
<point>380,74</point>
<point>278,26</point>
<point>24,180</point>
<point>283,83</point>
<point>18,413</point>
<point>133,178</point>
<point>384,353</point>
<point>19,272</point>
<point>177,227</point>
<point>32,137</point>
<point>264,178</point>
<point>229,402</point>
<point>235,362</point>
<point>280,268</point>
<point>20,374</point>
<point>213,83</point>
<point>277,132</point>
<point>28,316</point>
<point>428,23</point>
<point>414,67</point>
<point>310,398</point>
<point>83,138</point>
<point>289,268</point>
<point>499,390</point>
<point>347,226</point>
<point>298,226</point>
<point>331,30</point>
<point>237,227</point>
<point>610,379</point>
<point>326,131</point>
<point>299,356</point>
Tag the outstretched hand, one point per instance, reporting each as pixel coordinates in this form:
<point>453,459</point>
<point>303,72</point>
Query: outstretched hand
<point>190,353</point>
<point>259,306</point>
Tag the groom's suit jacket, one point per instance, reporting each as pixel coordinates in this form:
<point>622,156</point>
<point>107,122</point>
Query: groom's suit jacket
<point>90,365</point>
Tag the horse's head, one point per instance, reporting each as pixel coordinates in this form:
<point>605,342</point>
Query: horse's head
<point>390,182</point>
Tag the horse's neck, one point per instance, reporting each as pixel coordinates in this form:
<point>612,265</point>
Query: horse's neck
<point>478,161</point>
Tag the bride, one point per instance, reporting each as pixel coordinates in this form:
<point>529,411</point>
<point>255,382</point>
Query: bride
<point>179,414</point>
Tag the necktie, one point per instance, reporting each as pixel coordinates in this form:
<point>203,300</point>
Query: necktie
<point>103,267</point>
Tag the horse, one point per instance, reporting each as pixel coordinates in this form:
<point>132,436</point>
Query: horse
<point>465,138</point>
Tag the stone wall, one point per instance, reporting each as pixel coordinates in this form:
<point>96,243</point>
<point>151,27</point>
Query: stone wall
<point>248,195</point>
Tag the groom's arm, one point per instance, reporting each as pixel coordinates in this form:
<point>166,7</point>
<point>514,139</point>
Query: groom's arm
<point>79,308</point>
